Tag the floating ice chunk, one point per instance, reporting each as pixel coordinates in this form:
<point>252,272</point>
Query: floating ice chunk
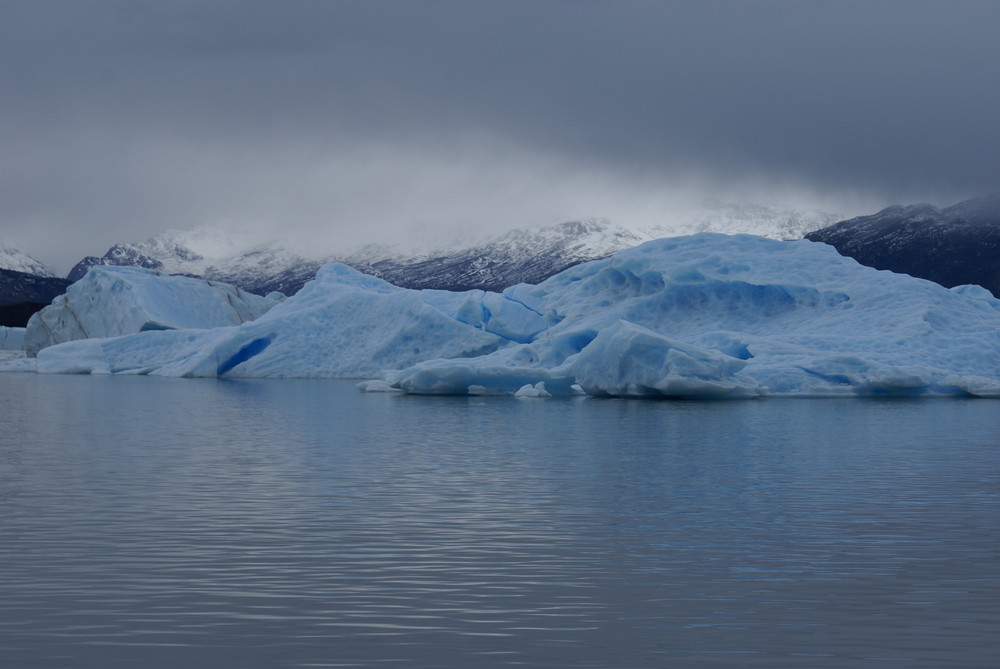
<point>343,324</point>
<point>111,301</point>
<point>800,318</point>
<point>455,377</point>
<point>533,391</point>
<point>15,361</point>
<point>376,386</point>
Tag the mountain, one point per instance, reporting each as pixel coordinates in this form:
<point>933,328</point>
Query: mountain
<point>505,259</point>
<point>17,315</point>
<point>16,260</point>
<point>23,287</point>
<point>519,256</point>
<point>26,285</point>
<point>191,252</point>
<point>953,246</point>
<point>514,257</point>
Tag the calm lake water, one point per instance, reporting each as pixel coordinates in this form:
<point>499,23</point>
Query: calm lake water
<point>210,523</point>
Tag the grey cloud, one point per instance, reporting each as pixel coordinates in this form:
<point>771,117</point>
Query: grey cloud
<point>124,117</point>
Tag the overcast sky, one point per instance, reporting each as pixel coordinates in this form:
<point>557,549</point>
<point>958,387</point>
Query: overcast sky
<point>122,118</point>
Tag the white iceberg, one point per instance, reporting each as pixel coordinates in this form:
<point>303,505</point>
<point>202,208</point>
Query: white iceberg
<point>702,316</point>
<point>114,301</point>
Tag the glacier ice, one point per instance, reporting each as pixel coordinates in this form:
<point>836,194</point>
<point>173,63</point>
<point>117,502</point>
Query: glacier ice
<point>113,301</point>
<point>706,315</point>
<point>738,316</point>
<point>628,360</point>
<point>978,293</point>
<point>533,391</point>
<point>11,339</point>
<point>342,324</point>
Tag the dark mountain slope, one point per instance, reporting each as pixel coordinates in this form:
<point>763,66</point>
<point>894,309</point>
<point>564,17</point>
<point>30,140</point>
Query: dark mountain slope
<point>951,246</point>
<point>23,287</point>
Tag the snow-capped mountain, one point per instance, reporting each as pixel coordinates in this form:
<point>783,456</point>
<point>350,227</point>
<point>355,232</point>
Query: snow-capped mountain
<point>510,257</point>
<point>16,260</point>
<point>191,252</point>
<point>953,246</point>
<point>518,256</point>
<point>26,285</point>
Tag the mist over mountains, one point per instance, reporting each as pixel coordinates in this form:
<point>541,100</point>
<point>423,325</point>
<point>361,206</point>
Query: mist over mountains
<point>490,263</point>
<point>952,246</point>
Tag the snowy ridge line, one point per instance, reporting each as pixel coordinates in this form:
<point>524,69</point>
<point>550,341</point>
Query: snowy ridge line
<point>493,263</point>
<point>703,316</point>
<point>16,260</point>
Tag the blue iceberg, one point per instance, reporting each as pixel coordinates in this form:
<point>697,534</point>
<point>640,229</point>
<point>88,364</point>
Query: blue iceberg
<point>704,316</point>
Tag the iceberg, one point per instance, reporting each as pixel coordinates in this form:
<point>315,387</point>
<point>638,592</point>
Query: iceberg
<point>739,316</point>
<point>342,324</point>
<point>703,316</point>
<point>113,301</point>
<point>532,391</point>
<point>11,339</point>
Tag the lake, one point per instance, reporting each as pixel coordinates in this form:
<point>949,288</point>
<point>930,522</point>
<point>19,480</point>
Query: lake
<point>224,523</point>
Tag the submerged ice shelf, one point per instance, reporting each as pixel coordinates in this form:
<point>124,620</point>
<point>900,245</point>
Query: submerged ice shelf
<point>701,316</point>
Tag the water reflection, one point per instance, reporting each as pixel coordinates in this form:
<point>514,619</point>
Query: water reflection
<point>300,523</point>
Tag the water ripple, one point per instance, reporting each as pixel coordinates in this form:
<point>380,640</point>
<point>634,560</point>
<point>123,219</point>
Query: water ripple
<point>158,522</point>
